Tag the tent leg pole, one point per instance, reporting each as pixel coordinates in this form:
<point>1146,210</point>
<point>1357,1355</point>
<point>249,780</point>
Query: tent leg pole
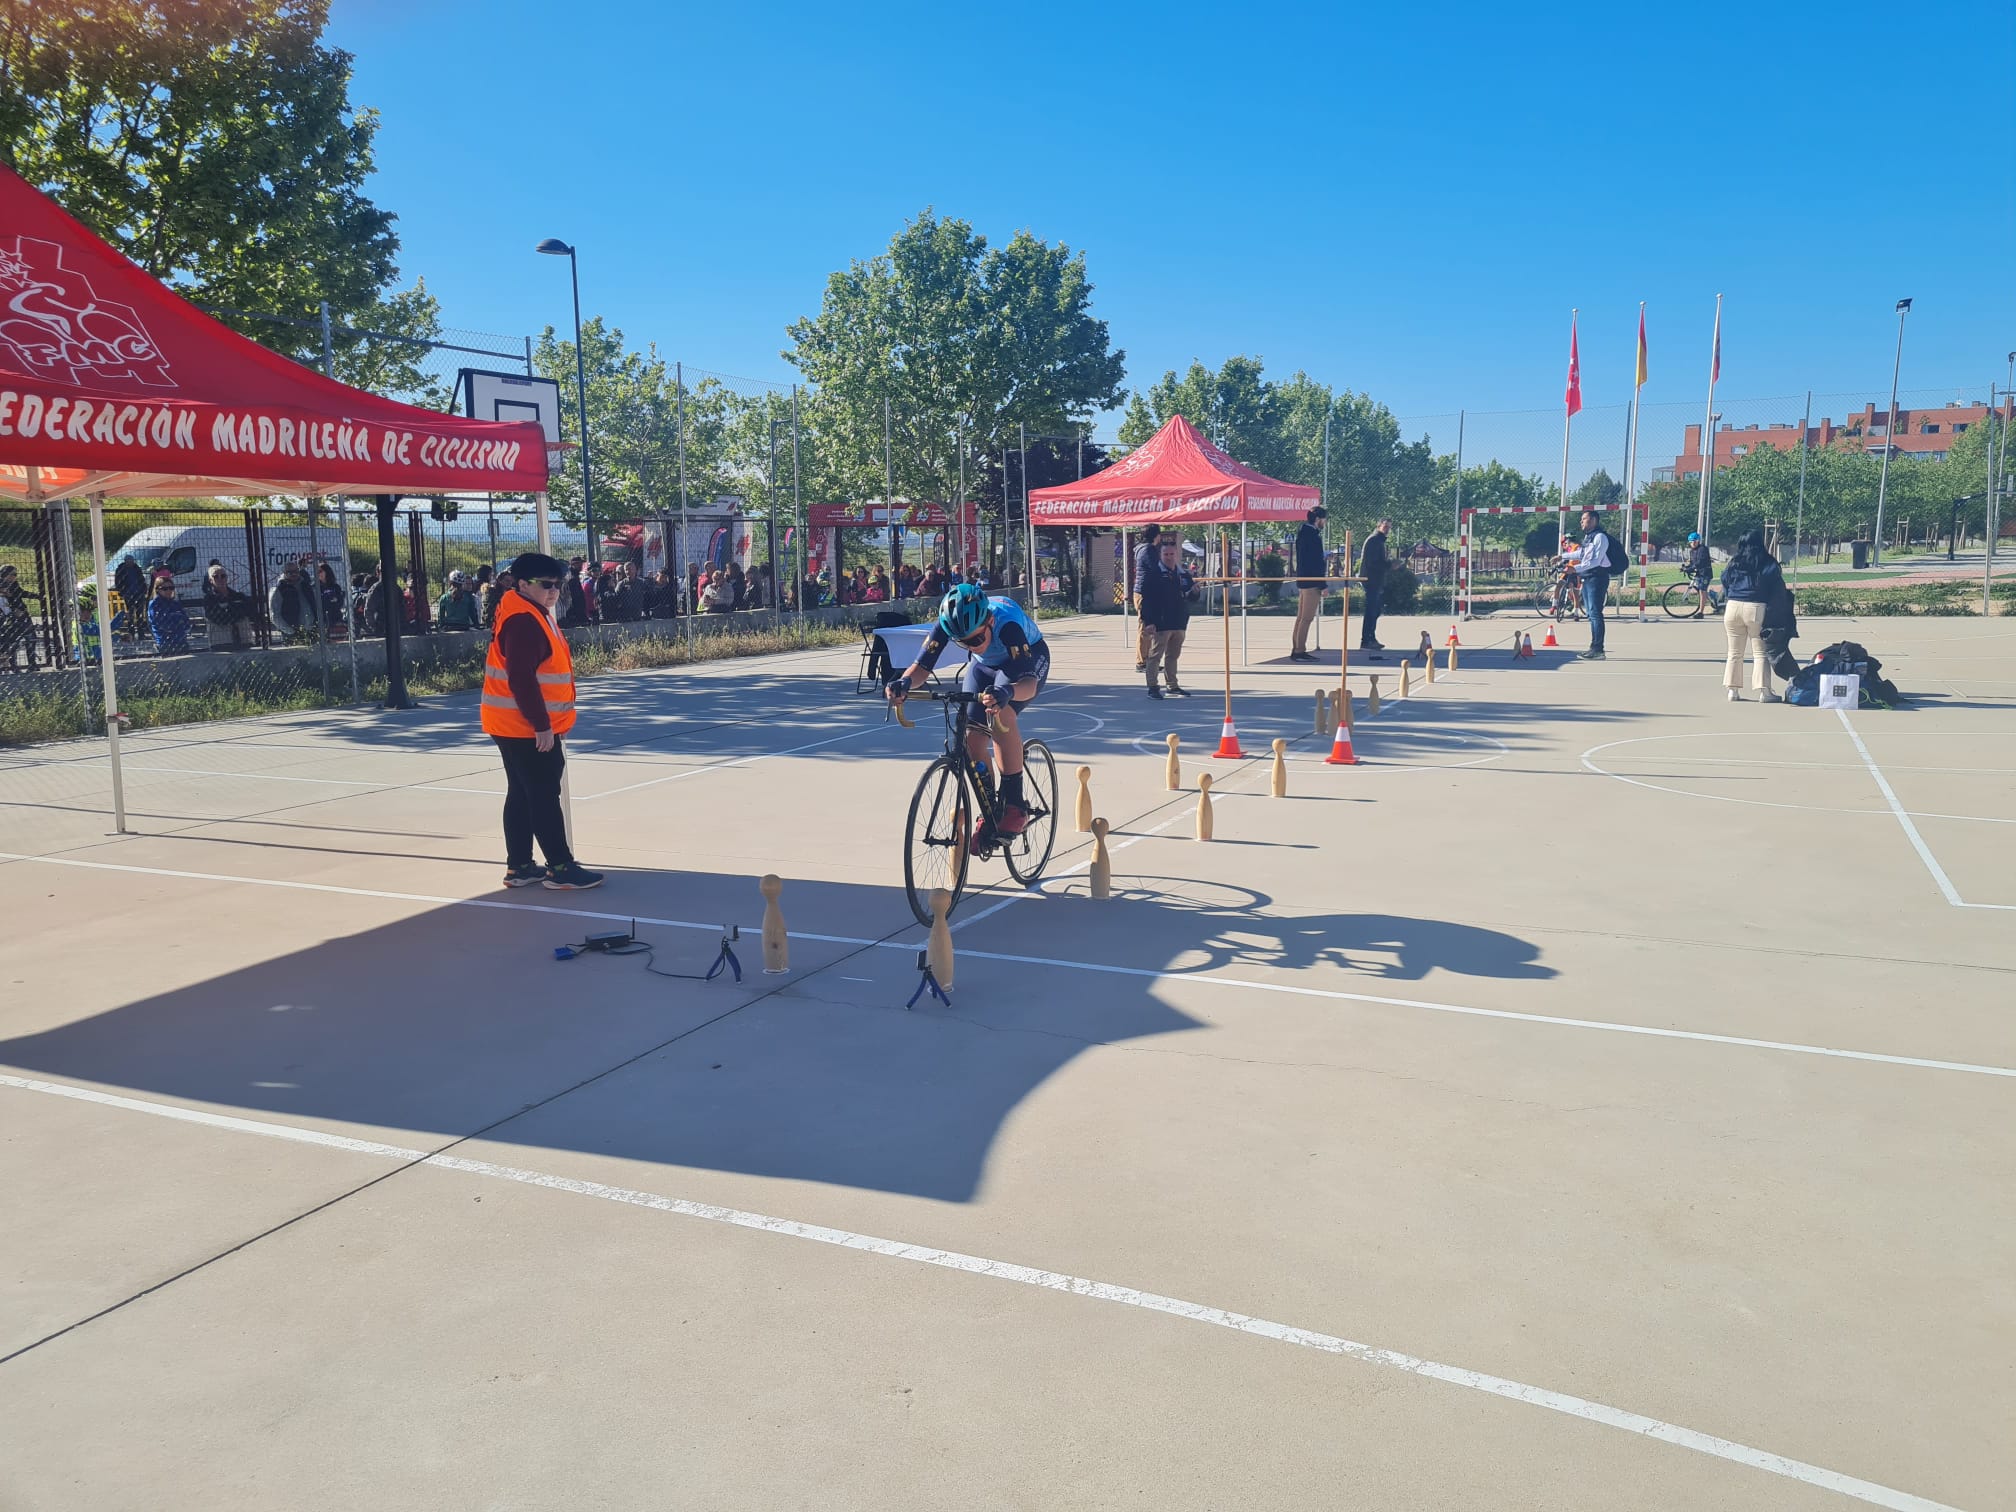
<point>545,518</point>
<point>1244,659</point>
<point>106,659</point>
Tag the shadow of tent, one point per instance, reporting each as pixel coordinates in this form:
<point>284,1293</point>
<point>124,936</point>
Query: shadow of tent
<point>458,1022</point>
<point>446,1023</point>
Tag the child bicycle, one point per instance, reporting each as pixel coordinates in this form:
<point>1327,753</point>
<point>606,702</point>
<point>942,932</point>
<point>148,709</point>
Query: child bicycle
<point>938,835</point>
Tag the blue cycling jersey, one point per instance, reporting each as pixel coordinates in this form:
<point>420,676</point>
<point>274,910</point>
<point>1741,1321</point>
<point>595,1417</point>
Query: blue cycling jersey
<point>1010,649</point>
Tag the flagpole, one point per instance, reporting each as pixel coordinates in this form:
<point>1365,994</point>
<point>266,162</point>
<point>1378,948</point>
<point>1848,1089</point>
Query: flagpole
<point>1799,521</point>
<point>1567,426</point>
<point>1631,458</point>
<point>1708,425</point>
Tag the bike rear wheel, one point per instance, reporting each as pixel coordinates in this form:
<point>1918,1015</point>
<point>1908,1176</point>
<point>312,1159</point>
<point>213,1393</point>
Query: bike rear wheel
<point>937,837</point>
<point>1029,852</point>
<point>1682,601</point>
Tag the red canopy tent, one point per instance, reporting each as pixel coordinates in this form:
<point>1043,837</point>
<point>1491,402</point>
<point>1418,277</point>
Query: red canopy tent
<point>1175,477</point>
<point>111,383</point>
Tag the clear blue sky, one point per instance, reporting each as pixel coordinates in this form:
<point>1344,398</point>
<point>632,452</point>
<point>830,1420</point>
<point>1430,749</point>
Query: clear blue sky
<point>1402,199</point>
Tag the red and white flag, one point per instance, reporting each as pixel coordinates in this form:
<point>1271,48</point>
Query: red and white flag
<point>1574,371</point>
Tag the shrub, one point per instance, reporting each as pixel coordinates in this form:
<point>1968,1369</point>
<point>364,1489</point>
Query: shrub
<point>1403,590</point>
<point>1271,567</point>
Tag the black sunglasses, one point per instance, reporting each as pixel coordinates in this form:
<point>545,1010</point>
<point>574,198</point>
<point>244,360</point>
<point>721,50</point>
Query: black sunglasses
<point>975,638</point>
<point>544,582</point>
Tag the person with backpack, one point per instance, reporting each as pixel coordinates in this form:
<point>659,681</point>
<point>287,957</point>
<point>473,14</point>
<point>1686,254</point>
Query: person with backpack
<point>1750,581</point>
<point>1601,555</point>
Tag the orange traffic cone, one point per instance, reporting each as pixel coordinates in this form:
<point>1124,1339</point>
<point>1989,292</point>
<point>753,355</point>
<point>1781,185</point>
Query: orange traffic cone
<point>1452,641</point>
<point>1526,648</point>
<point>1341,753</point>
<point>1228,743</point>
<point>1550,641</point>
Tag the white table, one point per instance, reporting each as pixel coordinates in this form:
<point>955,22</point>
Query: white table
<point>905,643</point>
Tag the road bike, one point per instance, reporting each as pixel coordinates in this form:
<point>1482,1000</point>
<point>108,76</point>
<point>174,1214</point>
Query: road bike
<point>1691,599</point>
<point>938,835</point>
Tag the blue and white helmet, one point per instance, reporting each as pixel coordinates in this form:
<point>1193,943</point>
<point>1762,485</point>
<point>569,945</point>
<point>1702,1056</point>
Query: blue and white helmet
<point>963,611</point>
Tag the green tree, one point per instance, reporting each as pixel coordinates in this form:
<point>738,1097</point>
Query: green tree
<point>217,147</point>
<point>963,343</point>
<point>1138,424</point>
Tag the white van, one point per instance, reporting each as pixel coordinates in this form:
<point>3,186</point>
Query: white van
<point>188,550</point>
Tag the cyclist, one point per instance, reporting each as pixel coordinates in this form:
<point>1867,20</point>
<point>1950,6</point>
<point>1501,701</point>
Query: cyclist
<point>1566,579</point>
<point>1007,664</point>
<point>1700,569</point>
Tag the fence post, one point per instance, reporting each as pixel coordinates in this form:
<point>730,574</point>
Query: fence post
<point>106,660</point>
<point>349,614</point>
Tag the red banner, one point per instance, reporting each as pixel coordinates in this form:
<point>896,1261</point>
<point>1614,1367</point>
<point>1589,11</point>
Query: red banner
<point>111,382</point>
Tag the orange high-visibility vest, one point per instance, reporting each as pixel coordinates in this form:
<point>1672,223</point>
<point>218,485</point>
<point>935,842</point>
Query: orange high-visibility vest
<point>501,715</point>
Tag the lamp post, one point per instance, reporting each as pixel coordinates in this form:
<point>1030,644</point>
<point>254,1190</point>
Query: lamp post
<point>1889,436</point>
<point>554,247</point>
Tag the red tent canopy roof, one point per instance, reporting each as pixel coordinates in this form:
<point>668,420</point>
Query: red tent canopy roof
<point>112,383</point>
<point>1175,477</point>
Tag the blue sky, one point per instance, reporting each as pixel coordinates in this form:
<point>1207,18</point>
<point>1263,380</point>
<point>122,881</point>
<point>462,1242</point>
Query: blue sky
<point>1406,200</point>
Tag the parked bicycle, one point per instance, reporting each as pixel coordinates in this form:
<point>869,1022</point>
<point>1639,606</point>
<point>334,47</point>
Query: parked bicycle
<point>938,835</point>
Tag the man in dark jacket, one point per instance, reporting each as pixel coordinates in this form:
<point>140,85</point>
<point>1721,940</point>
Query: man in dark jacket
<point>1146,555</point>
<point>1308,580</point>
<point>1372,568</point>
<point>1165,614</point>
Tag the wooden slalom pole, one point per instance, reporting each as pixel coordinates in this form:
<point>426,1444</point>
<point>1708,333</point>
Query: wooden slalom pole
<point>1344,631</point>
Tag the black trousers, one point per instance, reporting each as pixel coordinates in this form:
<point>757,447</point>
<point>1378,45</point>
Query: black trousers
<point>532,801</point>
<point>1375,600</point>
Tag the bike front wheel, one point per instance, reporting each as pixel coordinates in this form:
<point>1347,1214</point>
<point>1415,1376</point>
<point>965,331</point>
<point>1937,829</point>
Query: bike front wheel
<point>1029,852</point>
<point>1682,601</point>
<point>937,837</point>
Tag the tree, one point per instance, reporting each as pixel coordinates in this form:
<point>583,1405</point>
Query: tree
<point>963,343</point>
<point>1138,424</point>
<point>216,146</point>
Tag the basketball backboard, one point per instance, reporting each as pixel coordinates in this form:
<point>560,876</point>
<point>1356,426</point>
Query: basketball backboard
<point>511,396</point>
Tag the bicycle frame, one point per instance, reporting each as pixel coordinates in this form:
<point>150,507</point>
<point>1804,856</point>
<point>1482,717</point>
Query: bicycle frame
<point>959,720</point>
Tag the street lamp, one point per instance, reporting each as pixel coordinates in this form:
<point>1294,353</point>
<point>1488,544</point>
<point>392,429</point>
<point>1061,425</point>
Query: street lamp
<point>1889,435</point>
<point>554,247</point>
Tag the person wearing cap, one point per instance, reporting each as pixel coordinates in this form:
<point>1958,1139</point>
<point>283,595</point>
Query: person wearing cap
<point>1309,575</point>
<point>528,705</point>
<point>458,609</point>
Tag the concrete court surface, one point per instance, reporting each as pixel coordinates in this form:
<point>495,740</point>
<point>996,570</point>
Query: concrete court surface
<point>1604,1096</point>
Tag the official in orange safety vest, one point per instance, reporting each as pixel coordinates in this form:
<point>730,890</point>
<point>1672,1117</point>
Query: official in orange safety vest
<point>528,704</point>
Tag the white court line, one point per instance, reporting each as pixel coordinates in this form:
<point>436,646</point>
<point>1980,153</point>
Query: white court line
<point>1917,840</point>
<point>739,761</point>
<point>1024,894</point>
<point>403,787</point>
<point>1143,973</point>
<point>1808,808</point>
<point>1022,1275</point>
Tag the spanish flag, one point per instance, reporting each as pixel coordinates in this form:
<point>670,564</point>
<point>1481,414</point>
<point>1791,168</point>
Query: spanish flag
<point>1641,347</point>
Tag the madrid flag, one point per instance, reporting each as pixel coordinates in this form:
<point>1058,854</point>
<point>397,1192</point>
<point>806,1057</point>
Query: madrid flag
<point>1574,372</point>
